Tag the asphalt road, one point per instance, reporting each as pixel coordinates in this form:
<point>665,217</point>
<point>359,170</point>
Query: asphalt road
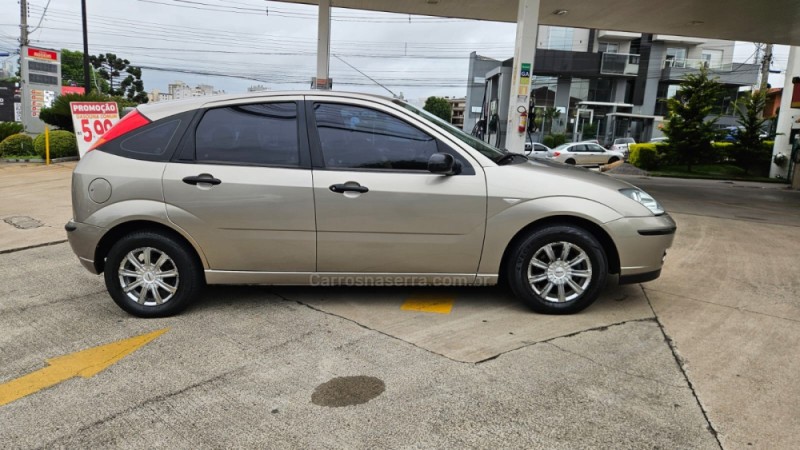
<point>701,358</point>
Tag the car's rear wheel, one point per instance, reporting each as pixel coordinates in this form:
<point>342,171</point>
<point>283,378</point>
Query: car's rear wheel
<point>150,274</point>
<point>571,162</point>
<point>557,269</point>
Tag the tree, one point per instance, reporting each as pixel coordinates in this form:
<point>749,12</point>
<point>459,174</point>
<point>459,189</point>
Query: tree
<point>113,69</point>
<point>439,107</point>
<point>72,72</point>
<point>688,127</point>
<point>749,149</point>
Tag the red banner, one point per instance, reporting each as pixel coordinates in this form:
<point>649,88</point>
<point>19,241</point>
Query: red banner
<point>796,93</point>
<point>42,54</point>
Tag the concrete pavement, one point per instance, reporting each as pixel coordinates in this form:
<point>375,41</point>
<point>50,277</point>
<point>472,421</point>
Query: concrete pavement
<point>701,358</point>
<point>37,192</point>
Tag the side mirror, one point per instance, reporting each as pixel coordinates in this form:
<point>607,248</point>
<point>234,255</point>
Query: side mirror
<point>444,164</point>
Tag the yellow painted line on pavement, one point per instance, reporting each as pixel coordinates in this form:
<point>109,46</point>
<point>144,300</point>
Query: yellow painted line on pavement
<point>430,304</point>
<point>85,363</point>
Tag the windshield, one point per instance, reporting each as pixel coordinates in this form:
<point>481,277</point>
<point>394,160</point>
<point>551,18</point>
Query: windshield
<point>562,147</point>
<point>625,141</point>
<point>487,150</point>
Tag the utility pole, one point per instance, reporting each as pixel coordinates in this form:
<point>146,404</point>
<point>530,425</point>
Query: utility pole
<point>23,23</point>
<point>87,84</point>
<point>766,61</point>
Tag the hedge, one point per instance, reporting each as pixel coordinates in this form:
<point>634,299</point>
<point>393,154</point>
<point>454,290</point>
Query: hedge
<point>62,144</point>
<point>9,128</point>
<point>645,156</point>
<point>16,145</point>
<point>554,140</point>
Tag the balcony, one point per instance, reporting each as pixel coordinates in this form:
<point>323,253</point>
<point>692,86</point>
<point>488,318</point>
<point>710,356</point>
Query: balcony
<point>625,64</point>
<point>735,73</point>
<point>584,64</point>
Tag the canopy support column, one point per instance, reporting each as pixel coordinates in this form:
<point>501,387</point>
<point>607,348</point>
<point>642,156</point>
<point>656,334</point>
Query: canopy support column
<point>522,73</point>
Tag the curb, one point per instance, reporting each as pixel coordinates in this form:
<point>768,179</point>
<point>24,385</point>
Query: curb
<point>40,160</point>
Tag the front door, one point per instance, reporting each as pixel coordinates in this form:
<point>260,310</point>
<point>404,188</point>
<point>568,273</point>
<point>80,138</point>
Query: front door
<point>244,189</point>
<point>378,208</point>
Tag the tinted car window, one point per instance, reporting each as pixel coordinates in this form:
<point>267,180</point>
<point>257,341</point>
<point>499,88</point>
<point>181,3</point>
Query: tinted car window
<point>596,148</point>
<point>361,138</point>
<point>153,140</point>
<point>264,134</point>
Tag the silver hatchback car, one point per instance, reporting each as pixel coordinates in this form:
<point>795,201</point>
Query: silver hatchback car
<point>326,188</point>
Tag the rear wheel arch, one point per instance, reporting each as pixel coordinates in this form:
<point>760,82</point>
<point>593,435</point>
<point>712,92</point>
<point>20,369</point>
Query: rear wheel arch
<point>610,249</point>
<point>570,161</point>
<point>125,228</point>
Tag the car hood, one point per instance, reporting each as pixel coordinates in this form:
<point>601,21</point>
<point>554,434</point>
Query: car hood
<point>540,178</point>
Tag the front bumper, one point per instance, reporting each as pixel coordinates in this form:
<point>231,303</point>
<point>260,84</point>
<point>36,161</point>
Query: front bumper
<point>642,244</point>
<point>83,239</point>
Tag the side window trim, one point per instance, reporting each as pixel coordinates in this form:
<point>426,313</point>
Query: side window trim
<point>318,160</point>
<point>187,152</point>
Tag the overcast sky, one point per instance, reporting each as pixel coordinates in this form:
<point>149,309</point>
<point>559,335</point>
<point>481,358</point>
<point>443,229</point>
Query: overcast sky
<point>274,43</point>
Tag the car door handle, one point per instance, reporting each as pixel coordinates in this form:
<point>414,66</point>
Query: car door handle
<point>202,178</point>
<point>342,188</point>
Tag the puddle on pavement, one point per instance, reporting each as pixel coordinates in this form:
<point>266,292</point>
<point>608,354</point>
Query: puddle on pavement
<point>23,222</point>
<point>347,391</point>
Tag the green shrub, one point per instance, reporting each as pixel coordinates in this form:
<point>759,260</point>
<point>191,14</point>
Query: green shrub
<point>16,145</point>
<point>9,128</point>
<point>645,156</point>
<point>554,140</point>
<point>62,144</point>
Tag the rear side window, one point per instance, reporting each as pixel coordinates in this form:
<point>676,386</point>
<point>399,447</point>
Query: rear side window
<point>153,140</point>
<point>263,134</point>
<point>156,141</point>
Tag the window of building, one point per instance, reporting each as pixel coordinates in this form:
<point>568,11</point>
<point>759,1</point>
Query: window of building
<point>712,58</point>
<point>676,57</point>
<point>560,38</point>
<point>608,47</point>
<point>353,137</point>
<point>264,134</point>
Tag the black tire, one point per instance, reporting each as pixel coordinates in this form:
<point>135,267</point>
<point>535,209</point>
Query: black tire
<point>518,266</point>
<point>180,258</point>
<point>571,162</point>
<point>613,159</point>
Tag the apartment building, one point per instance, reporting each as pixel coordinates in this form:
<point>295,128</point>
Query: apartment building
<point>615,82</point>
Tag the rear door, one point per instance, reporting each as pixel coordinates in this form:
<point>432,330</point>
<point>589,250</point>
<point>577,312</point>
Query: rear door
<point>242,188</point>
<point>596,154</point>
<point>405,219</point>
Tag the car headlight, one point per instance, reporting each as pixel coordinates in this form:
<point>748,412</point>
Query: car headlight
<point>644,198</point>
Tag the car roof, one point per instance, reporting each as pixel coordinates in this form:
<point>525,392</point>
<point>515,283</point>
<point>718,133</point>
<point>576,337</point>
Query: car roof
<point>159,110</point>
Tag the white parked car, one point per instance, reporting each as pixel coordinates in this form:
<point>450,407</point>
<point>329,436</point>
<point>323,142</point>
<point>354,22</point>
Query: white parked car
<point>622,145</point>
<point>584,154</point>
<point>536,150</point>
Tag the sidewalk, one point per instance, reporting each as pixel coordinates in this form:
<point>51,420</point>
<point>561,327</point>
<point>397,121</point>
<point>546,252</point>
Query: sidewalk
<point>35,205</point>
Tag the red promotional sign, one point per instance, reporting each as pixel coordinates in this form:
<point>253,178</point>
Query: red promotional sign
<point>91,120</point>
<point>39,53</point>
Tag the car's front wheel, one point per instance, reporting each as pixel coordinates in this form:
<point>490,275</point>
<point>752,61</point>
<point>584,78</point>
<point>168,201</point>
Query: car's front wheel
<point>557,269</point>
<point>150,274</point>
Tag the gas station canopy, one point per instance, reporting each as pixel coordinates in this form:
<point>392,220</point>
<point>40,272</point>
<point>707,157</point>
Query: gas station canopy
<point>774,21</point>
